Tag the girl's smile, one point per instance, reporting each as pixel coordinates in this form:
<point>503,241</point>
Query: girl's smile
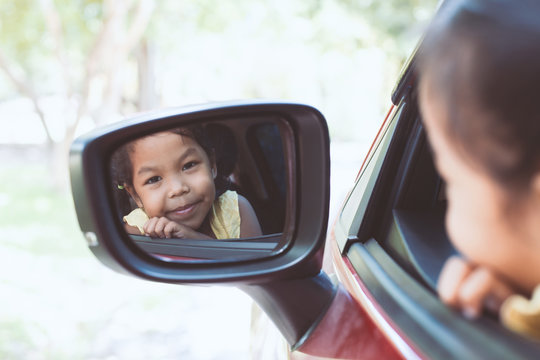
<point>182,212</point>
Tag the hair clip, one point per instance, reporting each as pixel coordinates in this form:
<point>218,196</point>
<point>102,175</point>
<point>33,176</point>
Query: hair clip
<point>121,187</point>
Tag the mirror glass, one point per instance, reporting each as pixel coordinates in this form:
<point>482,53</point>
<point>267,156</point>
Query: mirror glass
<point>209,191</point>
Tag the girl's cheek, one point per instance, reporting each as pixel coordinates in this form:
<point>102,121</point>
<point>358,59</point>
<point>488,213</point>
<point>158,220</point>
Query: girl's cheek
<point>455,215</point>
<point>207,178</point>
<point>152,211</point>
<point>151,203</point>
<point>456,232</point>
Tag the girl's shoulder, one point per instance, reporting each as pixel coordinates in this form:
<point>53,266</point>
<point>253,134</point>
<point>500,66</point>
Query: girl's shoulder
<point>229,199</point>
<point>234,200</point>
<point>225,216</point>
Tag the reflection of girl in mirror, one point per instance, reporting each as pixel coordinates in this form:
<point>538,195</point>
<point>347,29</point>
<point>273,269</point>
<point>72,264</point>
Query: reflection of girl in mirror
<point>173,178</point>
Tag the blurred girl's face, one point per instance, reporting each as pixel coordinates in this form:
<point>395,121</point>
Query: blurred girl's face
<point>483,220</point>
<point>172,177</point>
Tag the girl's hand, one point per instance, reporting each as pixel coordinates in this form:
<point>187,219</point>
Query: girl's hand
<point>162,227</point>
<point>471,288</point>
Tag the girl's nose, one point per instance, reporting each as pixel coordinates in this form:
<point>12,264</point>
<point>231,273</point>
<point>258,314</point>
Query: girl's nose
<point>177,187</point>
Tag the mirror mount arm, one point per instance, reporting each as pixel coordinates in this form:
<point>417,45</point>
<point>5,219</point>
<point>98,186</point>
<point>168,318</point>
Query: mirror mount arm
<point>295,306</point>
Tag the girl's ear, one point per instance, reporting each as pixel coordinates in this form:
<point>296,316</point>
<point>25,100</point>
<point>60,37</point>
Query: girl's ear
<point>134,195</point>
<point>213,163</point>
<point>535,190</point>
<point>214,171</point>
<point>536,183</point>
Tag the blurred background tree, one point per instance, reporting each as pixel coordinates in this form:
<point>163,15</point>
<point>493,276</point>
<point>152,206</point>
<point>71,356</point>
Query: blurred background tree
<point>104,59</point>
<point>76,52</point>
<point>98,61</point>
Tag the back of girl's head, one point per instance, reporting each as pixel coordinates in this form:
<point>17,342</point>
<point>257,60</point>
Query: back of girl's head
<point>481,60</point>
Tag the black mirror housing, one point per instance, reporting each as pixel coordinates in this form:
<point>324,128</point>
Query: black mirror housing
<point>307,206</point>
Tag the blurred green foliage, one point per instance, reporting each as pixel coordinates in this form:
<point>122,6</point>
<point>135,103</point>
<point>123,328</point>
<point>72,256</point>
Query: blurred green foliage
<point>394,21</point>
<point>28,45</point>
<point>25,41</point>
<point>34,218</point>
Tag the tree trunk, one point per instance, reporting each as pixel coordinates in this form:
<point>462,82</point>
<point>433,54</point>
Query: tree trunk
<point>148,98</point>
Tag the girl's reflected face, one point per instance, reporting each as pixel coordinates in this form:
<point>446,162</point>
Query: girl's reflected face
<point>173,177</point>
<point>478,219</point>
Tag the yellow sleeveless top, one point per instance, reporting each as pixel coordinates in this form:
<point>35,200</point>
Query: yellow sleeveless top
<point>225,216</point>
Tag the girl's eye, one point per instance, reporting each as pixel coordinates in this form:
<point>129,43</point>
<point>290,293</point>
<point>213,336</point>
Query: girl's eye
<point>189,165</point>
<point>153,179</point>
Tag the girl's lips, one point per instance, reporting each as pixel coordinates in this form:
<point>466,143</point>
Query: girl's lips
<point>183,211</point>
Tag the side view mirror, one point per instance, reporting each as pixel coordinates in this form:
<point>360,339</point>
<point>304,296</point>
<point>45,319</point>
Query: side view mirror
<point>230,193</point>
<point>226,193</point>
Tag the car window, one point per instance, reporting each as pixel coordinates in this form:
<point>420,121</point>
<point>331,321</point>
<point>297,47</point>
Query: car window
<point>416,234</point>
<point>266,138</point>
<point>265,145</point>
